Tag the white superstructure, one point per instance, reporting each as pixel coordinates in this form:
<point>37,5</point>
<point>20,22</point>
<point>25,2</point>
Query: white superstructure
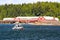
<point>27,18</point>
<point>9,19</point>
<point>50,18</point>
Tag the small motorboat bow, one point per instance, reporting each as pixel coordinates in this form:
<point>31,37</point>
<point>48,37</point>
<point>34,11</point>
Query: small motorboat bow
<point>17,27</point>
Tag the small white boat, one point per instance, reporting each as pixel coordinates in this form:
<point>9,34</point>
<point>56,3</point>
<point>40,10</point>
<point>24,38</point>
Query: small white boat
<point>17,27</point>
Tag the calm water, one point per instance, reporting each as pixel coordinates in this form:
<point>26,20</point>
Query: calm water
<point>30,32</point>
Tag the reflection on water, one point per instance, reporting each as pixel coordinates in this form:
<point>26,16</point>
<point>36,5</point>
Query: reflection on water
<point>31,34</point>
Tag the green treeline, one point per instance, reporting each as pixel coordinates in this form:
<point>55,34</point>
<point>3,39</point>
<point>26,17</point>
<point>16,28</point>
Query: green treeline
<point>35,9</point>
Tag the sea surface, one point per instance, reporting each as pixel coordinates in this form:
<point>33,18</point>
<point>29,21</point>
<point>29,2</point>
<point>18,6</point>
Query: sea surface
<point>30,32</point>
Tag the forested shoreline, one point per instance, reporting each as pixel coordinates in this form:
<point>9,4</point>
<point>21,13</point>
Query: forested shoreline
<point>30,9</point>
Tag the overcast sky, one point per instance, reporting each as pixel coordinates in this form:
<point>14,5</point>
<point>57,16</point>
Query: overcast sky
<point>24,1</point>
